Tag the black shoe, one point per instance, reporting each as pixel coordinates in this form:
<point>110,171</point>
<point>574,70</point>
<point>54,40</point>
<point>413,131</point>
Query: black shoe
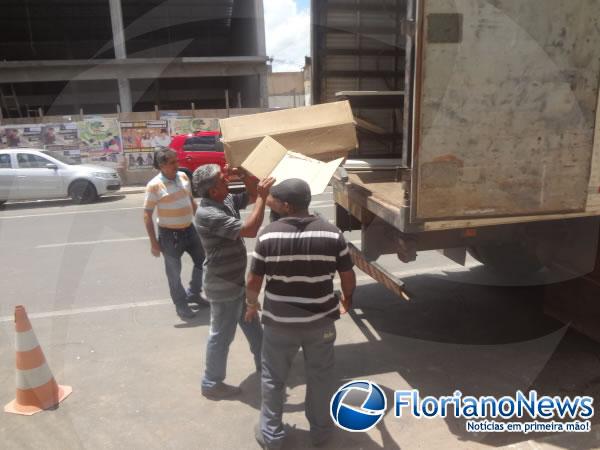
<point>260,439</point>
<point>221,391</point>
<point>184,312</point>
<point>198,299</point>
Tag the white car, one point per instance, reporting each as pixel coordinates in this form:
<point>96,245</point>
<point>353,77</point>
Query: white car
<point>30,174</point>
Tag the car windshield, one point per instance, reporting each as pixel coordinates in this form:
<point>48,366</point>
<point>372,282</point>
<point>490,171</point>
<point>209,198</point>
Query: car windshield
<point>72,160</point>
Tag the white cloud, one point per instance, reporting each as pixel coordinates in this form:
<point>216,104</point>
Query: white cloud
<point>287,34</point>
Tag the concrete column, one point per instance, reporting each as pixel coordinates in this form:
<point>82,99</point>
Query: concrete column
<point>261,50</point>
<point>259,20</point>
<point>263,89</point>
<point>116,18</point>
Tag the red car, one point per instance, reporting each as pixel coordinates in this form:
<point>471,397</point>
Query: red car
<point>195,150</point>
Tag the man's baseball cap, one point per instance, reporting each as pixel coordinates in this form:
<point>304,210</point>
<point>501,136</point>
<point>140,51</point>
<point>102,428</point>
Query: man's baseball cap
<point>294,191</point>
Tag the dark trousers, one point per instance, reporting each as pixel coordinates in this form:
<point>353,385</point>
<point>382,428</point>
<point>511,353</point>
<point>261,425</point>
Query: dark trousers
<point>278,351</point>
<point>173,244</point>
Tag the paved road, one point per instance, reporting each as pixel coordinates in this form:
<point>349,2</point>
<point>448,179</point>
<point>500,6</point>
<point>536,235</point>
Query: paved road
<point>101,310</point>
<point>97,255</point>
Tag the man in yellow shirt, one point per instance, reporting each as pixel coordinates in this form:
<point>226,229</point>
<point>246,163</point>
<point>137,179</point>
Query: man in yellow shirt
<point>170,194</point>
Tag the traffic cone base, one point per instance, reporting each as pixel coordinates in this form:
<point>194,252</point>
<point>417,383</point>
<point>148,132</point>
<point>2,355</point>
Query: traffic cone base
<point>46,391</point>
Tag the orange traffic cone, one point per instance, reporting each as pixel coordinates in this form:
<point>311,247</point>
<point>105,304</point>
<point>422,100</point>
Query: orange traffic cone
<point>36,388</point>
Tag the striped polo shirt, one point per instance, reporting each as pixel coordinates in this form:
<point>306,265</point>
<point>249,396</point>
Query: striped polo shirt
<point>172,200</point>
<point>219,225</point>
<point>299,257</point>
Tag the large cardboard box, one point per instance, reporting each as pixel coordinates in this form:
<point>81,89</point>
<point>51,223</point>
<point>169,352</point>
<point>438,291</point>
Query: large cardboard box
<point>324,132</point>
<point>270,158</point>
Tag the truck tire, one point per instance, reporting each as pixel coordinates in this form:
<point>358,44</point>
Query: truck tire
<point>82,191</point>
<point>508,258</point>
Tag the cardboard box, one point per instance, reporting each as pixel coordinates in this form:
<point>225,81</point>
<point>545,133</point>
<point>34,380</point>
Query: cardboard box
<point>270,158</point>
<point>324,132</point>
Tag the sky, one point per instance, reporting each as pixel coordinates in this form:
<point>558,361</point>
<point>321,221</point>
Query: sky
<point>287,26</point>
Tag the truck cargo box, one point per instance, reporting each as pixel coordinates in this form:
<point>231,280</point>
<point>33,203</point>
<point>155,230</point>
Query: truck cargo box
<point>490,107</point>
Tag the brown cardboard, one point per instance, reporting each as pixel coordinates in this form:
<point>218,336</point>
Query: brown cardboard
<point>270,158</point>
<point>324,132</point>
<point>265,157</point>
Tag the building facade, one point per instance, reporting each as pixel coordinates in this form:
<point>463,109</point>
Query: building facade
<point>286,90</point>
<point>60,57</point>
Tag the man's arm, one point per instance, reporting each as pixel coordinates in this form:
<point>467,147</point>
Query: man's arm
<point>347,276</point>
<point>251,184</point>
<point>150,201</point>
<point>254,221</point>
<point>154,245</point>
<point>258,269</point>
<point>253,286</point>
<point>189,183</point>
<point>348,282</point>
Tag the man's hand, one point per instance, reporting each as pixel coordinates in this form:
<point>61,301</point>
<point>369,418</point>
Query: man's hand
<point>155,249</point>
<point>345,304</point>
<point>232,171</point>
<point>264,186</point>
<point>251,311</point>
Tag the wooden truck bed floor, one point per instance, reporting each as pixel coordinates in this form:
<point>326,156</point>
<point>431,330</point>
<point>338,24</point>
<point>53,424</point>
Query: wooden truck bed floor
<point>380,193</point>
<point>383,186</point>
<point>376,192</point>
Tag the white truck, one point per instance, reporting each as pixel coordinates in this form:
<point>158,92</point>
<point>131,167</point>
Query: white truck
<point>477,125</point>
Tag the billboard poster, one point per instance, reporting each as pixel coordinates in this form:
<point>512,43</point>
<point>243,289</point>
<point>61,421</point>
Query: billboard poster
<point>139,160</point>
<point>145,135</point>
<point>101,141</point>
<point>189,125</point>
<point>140,139</point>
<point>49,136</point>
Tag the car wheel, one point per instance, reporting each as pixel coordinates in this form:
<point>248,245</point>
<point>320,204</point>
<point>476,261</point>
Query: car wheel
<point>82,192</point>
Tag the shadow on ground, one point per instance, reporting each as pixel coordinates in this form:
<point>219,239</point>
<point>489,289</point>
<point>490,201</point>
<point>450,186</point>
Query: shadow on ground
<point>482,341</point>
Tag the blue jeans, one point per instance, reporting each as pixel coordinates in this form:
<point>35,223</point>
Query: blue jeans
<point>224,318</point>
<point>279,349</point>
<point>173,244</point>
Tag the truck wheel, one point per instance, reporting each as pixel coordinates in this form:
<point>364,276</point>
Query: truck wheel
<point>510,258</point>
<point>82,192</point>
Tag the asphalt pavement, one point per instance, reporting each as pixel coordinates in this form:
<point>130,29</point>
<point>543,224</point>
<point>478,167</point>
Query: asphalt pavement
<point>100,307</point>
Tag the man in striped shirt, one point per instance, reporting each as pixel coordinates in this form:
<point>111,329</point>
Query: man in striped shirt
<point>169,193</point>
<point>299,255</point>
<point>222,232</point>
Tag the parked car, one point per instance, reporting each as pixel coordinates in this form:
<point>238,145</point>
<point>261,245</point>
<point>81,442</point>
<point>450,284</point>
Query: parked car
<point>30,174</point>
<point>197,149</point>
<point>200,148</point>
